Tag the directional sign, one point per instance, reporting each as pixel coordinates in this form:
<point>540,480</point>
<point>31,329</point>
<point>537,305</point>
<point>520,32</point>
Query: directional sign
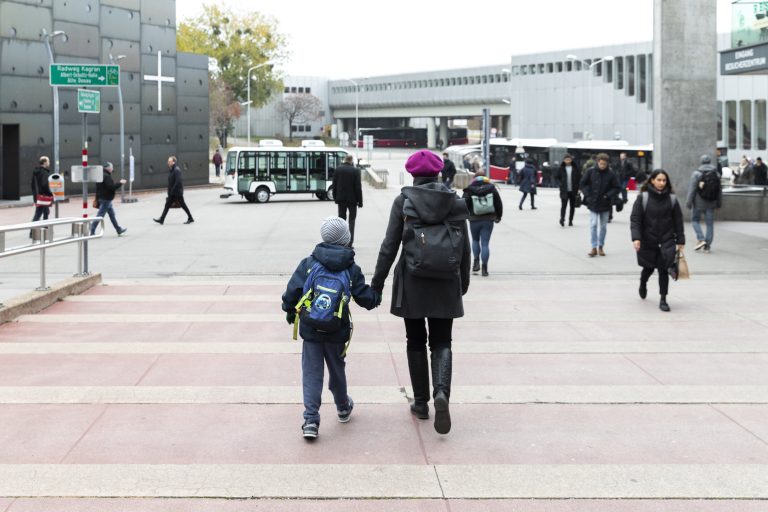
<point>85,75</point>
<point>88,102</point>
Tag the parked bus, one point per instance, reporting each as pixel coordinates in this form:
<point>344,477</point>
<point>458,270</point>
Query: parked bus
<point>408,137</point>
<point>501,152</point>
<point>640,156</point>
<point>257,173</point>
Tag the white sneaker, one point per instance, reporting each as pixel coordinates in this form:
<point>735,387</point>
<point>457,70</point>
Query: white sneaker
<point>700,245</point>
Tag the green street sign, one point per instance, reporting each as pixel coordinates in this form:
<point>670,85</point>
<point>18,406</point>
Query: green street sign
<point>88,102</point>
<point>85,75</point>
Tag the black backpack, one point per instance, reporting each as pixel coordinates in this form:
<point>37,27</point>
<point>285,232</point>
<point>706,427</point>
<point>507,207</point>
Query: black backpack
<point>709,186</point>
<point>432,250</point>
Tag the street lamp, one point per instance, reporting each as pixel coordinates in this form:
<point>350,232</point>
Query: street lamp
<point>589,65</point>
<point>249,95</point>
<point>48,38</point>
<point>357,103</point>
<point>115,60</point>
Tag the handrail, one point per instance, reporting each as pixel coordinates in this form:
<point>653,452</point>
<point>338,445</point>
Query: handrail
<point>43,235</point>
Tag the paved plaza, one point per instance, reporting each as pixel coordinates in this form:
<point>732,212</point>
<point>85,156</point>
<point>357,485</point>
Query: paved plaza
<point>175,385</point>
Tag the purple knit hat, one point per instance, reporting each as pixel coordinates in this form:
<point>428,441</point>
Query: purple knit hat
<point>424,164</point>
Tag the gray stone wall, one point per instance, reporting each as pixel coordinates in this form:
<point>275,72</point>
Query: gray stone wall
<point>95,29</point>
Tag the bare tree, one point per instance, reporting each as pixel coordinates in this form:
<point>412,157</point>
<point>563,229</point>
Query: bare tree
<point>299,108</point>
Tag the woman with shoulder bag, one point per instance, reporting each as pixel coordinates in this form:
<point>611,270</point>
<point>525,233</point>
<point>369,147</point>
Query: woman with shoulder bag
<point>42,195</point>
<point>485,209</point>
<point>657,230</point>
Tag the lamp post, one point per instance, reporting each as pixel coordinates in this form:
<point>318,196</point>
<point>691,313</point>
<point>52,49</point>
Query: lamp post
<point>357,119</point>
<point>48,38</point>
<point>115,60</point>
<point>249,95</point>
<point>589,65</point>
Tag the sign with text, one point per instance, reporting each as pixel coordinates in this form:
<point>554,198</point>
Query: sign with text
<point>90,174</point>
<point>88,102</point>
<point>85,75</point>
<point>738,61</point>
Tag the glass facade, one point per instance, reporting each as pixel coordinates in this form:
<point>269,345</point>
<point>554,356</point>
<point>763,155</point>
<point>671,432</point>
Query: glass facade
<point>760,124</point>
<point>745,106</point>
<point>730,109</point>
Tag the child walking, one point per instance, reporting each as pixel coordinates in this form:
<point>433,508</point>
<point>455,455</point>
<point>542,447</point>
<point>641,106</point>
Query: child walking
<point>320,289</point>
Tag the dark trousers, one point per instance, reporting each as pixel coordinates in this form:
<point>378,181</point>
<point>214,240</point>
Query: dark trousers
<point>624,183</point>
<point>523,199</point>
<point>569,197</point>
<point>314,356</point>
<point>169,200</point>
<point>417,337</point>
<point>218,169</point>
<point>41,211</point>
<point>343,207</point>
<point>663,278</point>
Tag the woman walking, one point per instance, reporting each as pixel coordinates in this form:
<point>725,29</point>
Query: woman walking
<point>657,229</point>
<point>429,278</point>
<point>485,208</point>
<point>528,182</point>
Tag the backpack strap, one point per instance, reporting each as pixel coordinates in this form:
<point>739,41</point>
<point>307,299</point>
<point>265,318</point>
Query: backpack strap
<point>672,199</point>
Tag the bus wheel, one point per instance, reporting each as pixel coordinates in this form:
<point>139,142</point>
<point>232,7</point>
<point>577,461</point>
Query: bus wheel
<point>320,195</point>
<point>250,197</point>
<point>262,195</point>
<point>329,194</point>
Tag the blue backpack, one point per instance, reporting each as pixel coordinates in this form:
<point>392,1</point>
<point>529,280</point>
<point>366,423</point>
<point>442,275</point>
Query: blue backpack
<point>325,303</point>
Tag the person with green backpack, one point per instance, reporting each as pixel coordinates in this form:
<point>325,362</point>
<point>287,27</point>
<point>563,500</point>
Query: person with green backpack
<point>485,209</point>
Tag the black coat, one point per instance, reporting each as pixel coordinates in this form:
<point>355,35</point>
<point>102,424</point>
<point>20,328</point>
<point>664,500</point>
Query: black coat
<point>39,184</point>
<point>600,188</point>
<point>449,170</point>
<point>760,174</point>
<point>483,188</point>
<point>347,186</point>
<point>626,170</point>
<point>106,189</point>
<point>419,297</point>
<point>175,186</point>
<point>659,228</point>
<point>562,178</point>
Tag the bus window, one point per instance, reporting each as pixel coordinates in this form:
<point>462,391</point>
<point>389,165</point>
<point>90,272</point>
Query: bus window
<point>278,170</point>
<point>262,166</point>
<point>298,165</point>
<point>317,178</point>
<point>231,162</point>
<point>246,171</point>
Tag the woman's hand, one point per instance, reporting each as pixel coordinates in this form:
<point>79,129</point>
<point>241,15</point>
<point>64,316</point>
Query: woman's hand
<point>680,247</point>
<point>636,243</point>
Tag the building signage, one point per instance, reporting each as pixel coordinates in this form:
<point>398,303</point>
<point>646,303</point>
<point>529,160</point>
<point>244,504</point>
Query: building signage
<point>736,61</point>
<point>85,75</point>
<point>88,102</point>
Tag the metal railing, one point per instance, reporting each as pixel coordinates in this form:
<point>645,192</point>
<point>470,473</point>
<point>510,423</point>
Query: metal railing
<point>47,234</point>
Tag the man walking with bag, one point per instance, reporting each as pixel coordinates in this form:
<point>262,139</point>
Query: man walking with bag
<point>175,192</point>
<point>105,194</point>
<point>348,192</point>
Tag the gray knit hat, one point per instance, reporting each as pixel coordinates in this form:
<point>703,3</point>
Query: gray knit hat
<point>335,230</point>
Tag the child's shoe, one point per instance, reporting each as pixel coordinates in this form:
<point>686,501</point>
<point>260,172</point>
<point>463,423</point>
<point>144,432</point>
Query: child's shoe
<point>345,414</point>
<point>310,430</point>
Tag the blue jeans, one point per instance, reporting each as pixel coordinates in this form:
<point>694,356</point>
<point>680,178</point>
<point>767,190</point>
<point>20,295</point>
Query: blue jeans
<point>481,236</point>
<point>313,355</point>
<point>709,219</point>
<point>624,184</point>
<point>594,217</point>
<point>106,207</point>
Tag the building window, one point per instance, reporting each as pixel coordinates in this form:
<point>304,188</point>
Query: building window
<point>308,90</point>
<point>541,69</point>
<point>577,65</point>
<point>597,69</point>
<point>532,69</point>
<point>641,72</point>
<point>293,90</point>
<point>719,110</point>
<point>568,66</point>
<point>287,90</point>
<point>609,71</point>
<point>630,75</point>
<point>485,79</point>
<point>307,128</point>
<point>619,84</point>
<point>746,123</point>
<point>730,108</point>
<point>301,90</point>
<point>550,67</point>
<point>650,81</point>
<point>559,67</point>
<point>760,123</point>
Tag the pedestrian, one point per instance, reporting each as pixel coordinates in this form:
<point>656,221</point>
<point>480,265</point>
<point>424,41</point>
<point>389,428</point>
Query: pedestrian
<point>448,172</point>
<point>427,300</point>
<point>331,261</point>
<point>175,192</point>
<point>105,195</point>
<point>217,161</point>
<point>512,176</point>
<point>759,172</point>
<point>528,182</point>
<point>600,187</point>
<point>40,187</point>
<point>743,174</point>
<point>569,177</point>
<point>656,224</point>
<point>348,192</point>
<point>626,172</point>
<point>485,209</point>
<point>705,195</point>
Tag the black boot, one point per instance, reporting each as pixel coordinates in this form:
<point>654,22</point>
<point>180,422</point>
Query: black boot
<point>476,265</point>
<point>441,381</point>
<point>418,367</point>
<point>663,304</point>
<point>643,290</point>
<point>485,270</point>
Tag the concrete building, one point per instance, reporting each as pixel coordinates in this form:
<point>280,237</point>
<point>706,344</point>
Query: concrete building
<point>145,33</point>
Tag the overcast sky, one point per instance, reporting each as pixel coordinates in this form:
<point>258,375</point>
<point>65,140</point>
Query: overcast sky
<point>349,38</point>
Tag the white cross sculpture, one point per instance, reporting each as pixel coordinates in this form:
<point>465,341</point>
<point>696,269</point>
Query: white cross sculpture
<point>160,79</point>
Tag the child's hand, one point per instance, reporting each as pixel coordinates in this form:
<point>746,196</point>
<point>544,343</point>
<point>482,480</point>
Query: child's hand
<point>290,317</point>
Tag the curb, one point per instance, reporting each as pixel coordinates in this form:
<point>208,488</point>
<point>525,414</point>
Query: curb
<point>34,302</point>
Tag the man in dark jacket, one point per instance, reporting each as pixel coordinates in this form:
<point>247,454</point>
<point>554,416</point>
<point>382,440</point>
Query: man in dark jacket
<point>481,222</point>
<point>425,302</point>
<point>348,192</point>
<point>528,181</point>
<point>760,171</point>
<point>700,206</point>
<point>217,161</point>
<point>40,186</point>
<point>105,194</point>
<point>569,177</point>
<point>175,192</point>
<point>448,172</point>
<point>600,187</point>
<point>626,172</point>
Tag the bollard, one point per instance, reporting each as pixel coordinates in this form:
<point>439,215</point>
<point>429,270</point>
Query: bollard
<point>43,239</point>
